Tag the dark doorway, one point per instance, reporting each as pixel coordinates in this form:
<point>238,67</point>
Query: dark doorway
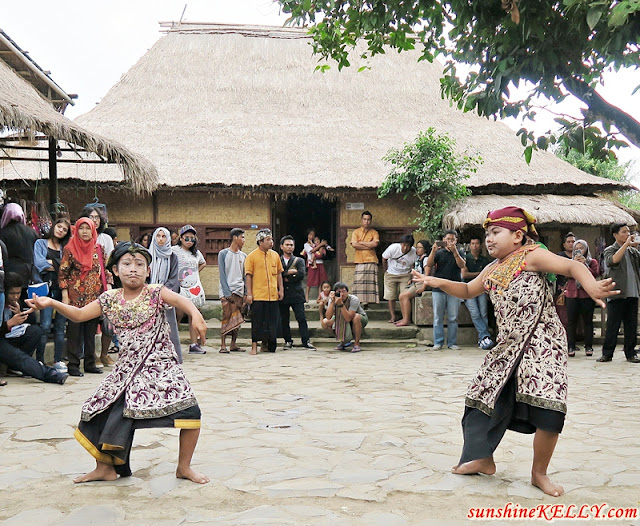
<point>295,215</point>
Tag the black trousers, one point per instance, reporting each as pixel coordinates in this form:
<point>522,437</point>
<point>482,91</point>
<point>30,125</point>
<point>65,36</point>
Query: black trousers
<point>18,360</point>
<point>580,308</point>
<point>621,311</point>
<point>30,341</point>
<point>82,336</point>
<point>301,318</point>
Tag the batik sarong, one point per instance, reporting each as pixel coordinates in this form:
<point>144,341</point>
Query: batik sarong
<point>231,314</point>
<point>108,436</point>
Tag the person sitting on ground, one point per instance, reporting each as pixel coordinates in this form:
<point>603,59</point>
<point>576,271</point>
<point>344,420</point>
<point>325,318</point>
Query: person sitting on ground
<point>345,316</point>
<point>15,348</point>
<point>147,387</point>
<point>413,290</point>
<point>323,298</point>
<point>27,334</point>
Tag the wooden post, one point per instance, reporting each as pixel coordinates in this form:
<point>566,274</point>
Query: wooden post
<point>53,176</point>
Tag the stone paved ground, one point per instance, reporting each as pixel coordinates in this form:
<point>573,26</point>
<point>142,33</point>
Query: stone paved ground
<point>318,438</point>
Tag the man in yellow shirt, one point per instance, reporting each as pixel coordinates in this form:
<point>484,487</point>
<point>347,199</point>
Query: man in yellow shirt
<point>263,271</point>
<point>365,240</point>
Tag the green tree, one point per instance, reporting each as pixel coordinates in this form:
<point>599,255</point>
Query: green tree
<point>546,47</point>
<point>609,168</point>
<point>431,170</point>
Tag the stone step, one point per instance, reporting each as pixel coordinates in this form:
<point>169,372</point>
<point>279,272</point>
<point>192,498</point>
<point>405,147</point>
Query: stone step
<point>213,310</point>
<point>378,330</point>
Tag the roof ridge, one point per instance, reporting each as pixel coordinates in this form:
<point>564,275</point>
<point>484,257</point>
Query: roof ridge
<point>247,30</point>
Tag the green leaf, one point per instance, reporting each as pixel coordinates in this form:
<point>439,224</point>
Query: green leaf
<point>593,17</point>
<point>528,152</point>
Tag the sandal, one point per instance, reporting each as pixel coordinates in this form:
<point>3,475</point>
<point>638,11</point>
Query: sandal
<point>224,351</point>
<point>572,352</point>
<point>3,383</point>
<point>588,351</point>
<point>356,349</point>
<point>340,347</point>
<point>238,349</point>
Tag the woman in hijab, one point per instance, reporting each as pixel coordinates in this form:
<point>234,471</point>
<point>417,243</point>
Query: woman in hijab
<point>82,278</point>
<point>579,304</point>
<point>19,239</point>
<point>164,270</point>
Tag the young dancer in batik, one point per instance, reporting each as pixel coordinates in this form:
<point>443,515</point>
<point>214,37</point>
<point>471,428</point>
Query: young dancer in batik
<point>522,384</point>
<point>147,387</point>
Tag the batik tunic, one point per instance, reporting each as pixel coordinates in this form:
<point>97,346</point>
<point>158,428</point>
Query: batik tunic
<point>531,340</point>
<point>147,370</point>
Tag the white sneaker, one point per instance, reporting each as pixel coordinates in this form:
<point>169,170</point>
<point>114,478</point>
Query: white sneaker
<point>454,347</point>
<point>61,367</point>
<point>437,347</point>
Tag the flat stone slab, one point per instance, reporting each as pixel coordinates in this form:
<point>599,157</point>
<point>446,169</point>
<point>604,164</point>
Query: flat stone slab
<point>315,438</point>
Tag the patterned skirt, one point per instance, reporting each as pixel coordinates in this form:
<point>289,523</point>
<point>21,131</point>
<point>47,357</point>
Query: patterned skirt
<point>482,433</point>
<point>365,283</point>
<point>108,436</point>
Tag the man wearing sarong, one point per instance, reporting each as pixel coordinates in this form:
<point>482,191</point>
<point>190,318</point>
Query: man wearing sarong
<point>232,289</point>
<point>263,273</point>
<point>365,240</point>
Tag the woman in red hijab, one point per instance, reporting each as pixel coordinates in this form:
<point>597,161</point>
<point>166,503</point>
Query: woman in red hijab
<point>522,384</point>
<point>82,279</point>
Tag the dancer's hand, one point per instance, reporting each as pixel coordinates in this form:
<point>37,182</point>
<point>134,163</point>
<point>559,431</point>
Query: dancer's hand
<point>38,302</point>
<point>200,326</point>
<point>601,289</point>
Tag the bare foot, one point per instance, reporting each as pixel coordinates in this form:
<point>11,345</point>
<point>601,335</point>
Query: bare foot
<point>102,472</point>
<point>253,351</point>
<point>191,475</point>
<point>392,320</point>
<point>544,483</point>
<point>482,465</point>
<point>402,323</point>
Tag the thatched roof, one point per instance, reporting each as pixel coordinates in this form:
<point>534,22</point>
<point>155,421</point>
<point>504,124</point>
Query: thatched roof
<point>548,209</point>
<point>242,107</point>
<point>24,110</point>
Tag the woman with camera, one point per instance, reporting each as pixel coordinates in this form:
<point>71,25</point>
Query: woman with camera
<point>579,304</point>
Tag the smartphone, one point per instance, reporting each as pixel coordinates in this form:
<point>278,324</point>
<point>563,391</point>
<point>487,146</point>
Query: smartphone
<point>440,244</point>
<point>577,253</point>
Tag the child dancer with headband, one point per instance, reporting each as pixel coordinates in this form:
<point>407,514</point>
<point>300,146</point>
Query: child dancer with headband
<point>522,384</point>
<point>147,387</point>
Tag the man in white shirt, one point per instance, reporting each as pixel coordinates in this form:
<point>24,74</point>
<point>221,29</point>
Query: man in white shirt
<point>398,260</point>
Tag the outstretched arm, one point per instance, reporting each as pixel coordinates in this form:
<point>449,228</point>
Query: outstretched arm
<point>183,304</point>
<point>545,261</point>
<point>458,289</point>
<point>75,314</point>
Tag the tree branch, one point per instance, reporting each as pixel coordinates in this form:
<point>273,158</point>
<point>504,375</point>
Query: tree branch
<point>605,111</point>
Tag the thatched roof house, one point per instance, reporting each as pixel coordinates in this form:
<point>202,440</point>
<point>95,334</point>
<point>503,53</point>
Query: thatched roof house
<point>28,102</point>
<point>244,132</point>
